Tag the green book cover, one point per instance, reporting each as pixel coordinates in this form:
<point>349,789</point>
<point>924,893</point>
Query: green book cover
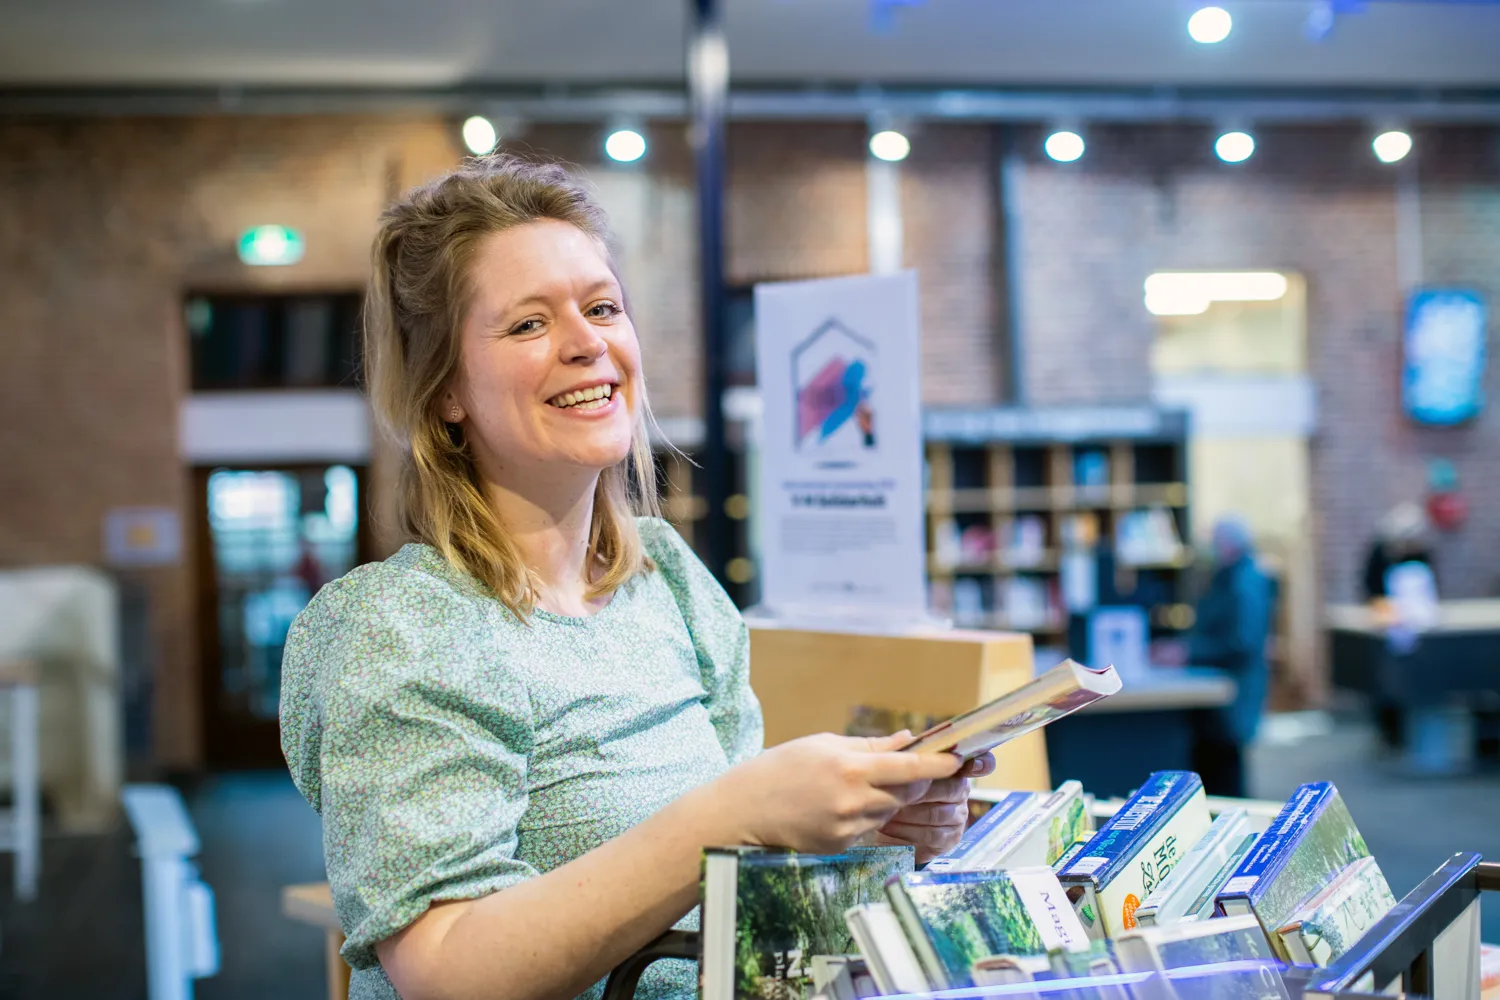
<point>957,919</point>
<point>789,908</point>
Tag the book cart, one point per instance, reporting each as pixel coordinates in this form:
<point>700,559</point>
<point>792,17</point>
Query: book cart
<point>1428,946</point>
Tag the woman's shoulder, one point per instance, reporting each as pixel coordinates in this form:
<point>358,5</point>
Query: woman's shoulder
<point>416,583</point>
<point>668,549</point>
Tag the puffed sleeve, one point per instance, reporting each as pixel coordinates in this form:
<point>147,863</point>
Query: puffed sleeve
<point>415,756</point>
<point>720,639</point>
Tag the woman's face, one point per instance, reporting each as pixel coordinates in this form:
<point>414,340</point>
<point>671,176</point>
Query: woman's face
<point>549,368</point>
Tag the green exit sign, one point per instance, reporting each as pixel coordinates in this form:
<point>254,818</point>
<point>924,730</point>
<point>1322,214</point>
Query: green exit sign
<point>270,246</point>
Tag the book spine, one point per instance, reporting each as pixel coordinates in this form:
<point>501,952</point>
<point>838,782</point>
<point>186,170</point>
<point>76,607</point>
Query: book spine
<point>1204,906</point>
<point>718,941</point>
<point>1260,867</point>
<point>916,936</point>
<point>1154,861</point>
<point>961,858</point>
<point>1135,825</point>
<point>1028,845</point>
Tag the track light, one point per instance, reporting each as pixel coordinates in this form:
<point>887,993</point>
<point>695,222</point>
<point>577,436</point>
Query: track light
<point>1235,147</point>
<point>1392,146</point>
<point>1064,146</point>
<point>625,145</point>
<point>480,135</point>
<point>889,145</point>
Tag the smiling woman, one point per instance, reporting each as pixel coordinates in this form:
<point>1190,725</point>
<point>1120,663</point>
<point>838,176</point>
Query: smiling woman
<point>522,730</point>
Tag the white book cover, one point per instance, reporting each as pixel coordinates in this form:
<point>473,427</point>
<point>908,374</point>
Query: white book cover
<point>888,954</point>
<point>1339,914</point>
<point>1051,912</point>
<point>1046,833</point>
<point>1171,899</point>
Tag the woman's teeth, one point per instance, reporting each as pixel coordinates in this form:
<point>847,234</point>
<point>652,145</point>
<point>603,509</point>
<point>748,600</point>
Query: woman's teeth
<point>584,399</point>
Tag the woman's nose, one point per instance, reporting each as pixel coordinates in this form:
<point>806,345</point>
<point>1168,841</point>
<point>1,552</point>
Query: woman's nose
<point>581,341</point>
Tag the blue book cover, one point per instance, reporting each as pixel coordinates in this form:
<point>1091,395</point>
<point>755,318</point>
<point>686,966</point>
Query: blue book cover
<point>1127,831</point>
<point>1312,839</point>
<point>993,818</point>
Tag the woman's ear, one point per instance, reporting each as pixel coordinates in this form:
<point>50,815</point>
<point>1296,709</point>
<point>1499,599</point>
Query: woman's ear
<point>452,410</point>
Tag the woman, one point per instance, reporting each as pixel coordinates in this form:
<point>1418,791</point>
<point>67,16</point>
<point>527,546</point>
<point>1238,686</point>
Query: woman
<point>522,729</point>
<point>1232,623</point>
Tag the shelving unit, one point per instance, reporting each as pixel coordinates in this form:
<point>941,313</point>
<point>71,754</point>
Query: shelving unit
<point>1014,497</point>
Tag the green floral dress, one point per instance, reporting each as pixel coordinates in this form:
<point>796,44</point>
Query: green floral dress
<point>454,750</point>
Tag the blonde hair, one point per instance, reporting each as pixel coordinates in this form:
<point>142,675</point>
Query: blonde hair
<point>418,297</point>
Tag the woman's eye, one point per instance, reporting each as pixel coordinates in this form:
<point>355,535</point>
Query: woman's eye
<point>526,326</point>
<point>603,310</point>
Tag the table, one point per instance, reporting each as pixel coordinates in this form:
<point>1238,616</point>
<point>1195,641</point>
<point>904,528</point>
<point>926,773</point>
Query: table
<point>1112,744</point>
<point>312,903</point>
<point>1454,667</point>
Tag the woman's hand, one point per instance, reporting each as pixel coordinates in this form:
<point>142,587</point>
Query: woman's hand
<point>934,823</point>
<point>820,794</point>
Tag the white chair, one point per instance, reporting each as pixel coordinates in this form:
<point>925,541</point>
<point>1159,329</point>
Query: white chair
<point>21,826</point>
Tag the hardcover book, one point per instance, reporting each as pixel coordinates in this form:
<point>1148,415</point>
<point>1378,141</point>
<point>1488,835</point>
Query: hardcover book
<point>1060,691</point>
<point>1171,900</point>
<point>1136,850</point>
<point>768,914</point>
<point>995,921</point>
<point>1311,840</point>
<point>1045,834</point>
<point>985,833</point>
<point>1336,916</point>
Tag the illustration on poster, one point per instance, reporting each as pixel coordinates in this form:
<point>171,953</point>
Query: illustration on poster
<point>833,378</point>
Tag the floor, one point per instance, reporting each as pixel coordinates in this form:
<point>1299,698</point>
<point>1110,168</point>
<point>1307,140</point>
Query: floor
<point>83,937</point>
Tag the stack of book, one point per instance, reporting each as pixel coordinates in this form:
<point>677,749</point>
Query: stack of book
<point>1033,893</point>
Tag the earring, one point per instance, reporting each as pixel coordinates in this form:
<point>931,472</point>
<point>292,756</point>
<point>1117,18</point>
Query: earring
<point>453,415</point>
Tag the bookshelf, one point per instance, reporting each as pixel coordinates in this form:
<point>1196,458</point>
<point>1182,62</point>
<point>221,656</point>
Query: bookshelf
<point>1020,502</point>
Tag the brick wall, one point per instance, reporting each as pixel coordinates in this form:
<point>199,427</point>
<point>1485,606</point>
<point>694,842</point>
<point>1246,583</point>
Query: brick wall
<point>1312,201</point>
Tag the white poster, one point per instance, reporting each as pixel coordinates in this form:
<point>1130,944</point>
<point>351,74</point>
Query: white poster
<point>837,362</point>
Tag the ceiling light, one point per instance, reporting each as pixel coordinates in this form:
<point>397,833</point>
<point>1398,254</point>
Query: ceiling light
<point>625,145</point>
<point>1392,146</point>
<point>1235,147</point>
<point>1064,146</point>
<point>1210,25</point>
<point>889,145</point>
<point>271,246</point>
<point>1190,293</point>
<point>479,135</point>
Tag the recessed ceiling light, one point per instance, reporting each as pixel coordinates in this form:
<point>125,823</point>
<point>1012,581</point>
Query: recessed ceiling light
<point>1210,25</point>
<point>1235,147</point>
<point>890,145</point>
<point>625,145</point>
<point>1064,146</point>
<point>1392,146</point>
<point>479,135</point>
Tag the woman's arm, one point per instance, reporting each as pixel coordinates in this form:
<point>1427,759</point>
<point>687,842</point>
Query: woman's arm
<point>554,935</point>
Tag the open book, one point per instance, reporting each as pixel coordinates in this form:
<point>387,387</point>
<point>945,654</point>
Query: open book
<point>1061,691</point>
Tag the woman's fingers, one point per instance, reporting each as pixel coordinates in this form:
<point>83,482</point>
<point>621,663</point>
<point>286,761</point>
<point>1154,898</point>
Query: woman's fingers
<point>947,790</point>
<point>928,813</point>
<point>926,839</point>
<point>886,769</point>
<point>980,766</point>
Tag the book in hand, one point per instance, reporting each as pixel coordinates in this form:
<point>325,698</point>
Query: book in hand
<point>1135,850</point>
<point>984,928</point>
<point>1172,899</point>
<point>1311,840</point>
<point>1060,691</point>
<point>767,915</point>
<point>1335,917</point>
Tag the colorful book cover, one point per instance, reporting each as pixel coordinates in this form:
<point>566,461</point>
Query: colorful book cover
<point>1338,915</point>
<point>956,921</point>
<point>994,823</point>
<point>1136,849</point>
<point>1311,840</point>
<point>1046,834</point>
<point>786,910</point>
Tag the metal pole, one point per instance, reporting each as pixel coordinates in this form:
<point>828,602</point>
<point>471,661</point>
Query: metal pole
<point>708,87</point>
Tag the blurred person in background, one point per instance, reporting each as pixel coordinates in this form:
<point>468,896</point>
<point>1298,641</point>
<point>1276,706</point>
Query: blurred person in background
<point>522,730</point>
<point>1232,624</point>
<point>1401,543</point>
<point>1402,537</point>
